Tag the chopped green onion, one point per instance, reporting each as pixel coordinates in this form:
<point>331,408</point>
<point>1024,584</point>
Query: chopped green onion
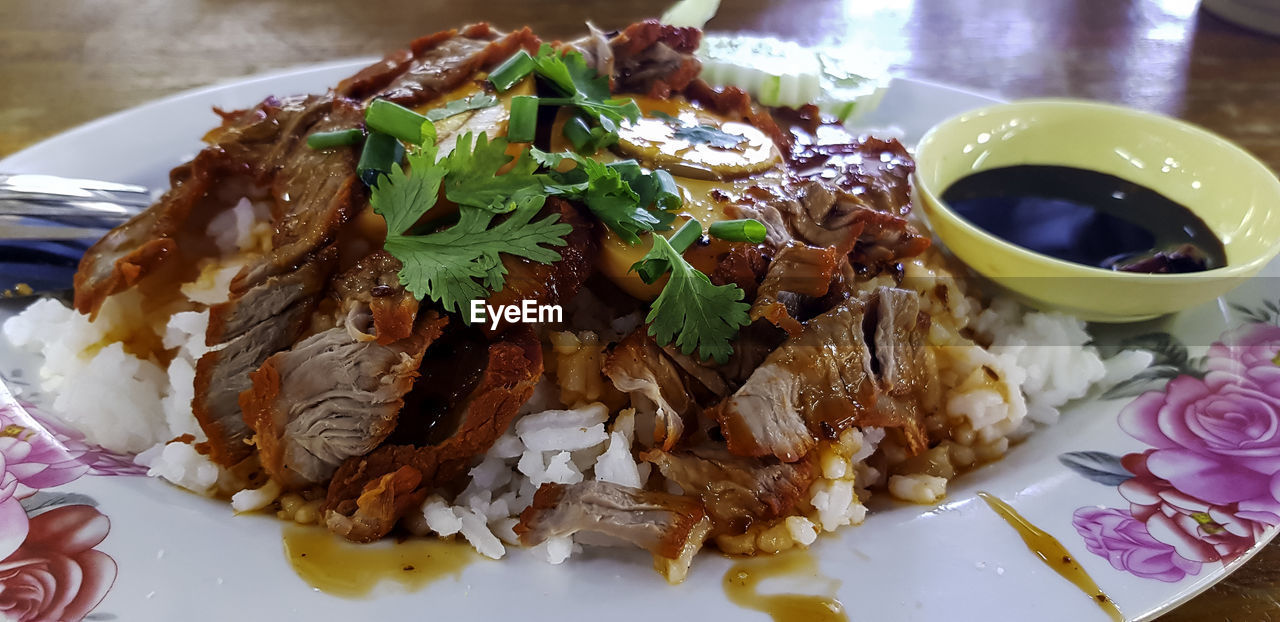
<point>651,269</point>
<point>512,71</point>
<point>396,120</point>
<point>668,194</point>
<point>628,169</point>
<point>524,119</point>
<point>745,230</point>
<point>336,138</point>
<point>381,151</point>
<point>579,133</point>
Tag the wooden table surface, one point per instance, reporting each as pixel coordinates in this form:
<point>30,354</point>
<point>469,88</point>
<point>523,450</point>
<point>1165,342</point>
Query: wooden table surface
<point>64,62</point>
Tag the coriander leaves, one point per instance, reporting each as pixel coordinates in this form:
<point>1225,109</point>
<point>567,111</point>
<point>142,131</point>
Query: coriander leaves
<point>446,264</point>
<point>691,311</point>
<point>621,194</point>
<point>462,262</point>
<point>474,180</point>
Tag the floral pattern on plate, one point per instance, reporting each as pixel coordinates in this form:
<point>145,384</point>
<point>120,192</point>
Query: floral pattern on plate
<point>1208,488</point>
<point>49,566</point>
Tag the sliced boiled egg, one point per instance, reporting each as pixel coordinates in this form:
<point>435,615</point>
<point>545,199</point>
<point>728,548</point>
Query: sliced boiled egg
<point>712,171</point>
<point>696,143</point>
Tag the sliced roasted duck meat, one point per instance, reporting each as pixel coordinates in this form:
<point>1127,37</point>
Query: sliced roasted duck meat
<point>655,59</point>
<point>337,393</point>
<point>436,64</point>
<point>904,364</point>
<point>267,319</point>
<point>796,271</point>
<point>825,380</point>
<point>819,213</point>
<point>736,491</point>
<point>671,527</point>
<point>878,171</point>
<point>368,494</point>
<point>243,154</point>
<point>314,193</point>
<point>637,366</point>
<point>745,265</point>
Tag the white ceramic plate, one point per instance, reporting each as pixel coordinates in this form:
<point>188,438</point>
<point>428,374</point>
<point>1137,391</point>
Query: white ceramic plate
<point>164,554</point>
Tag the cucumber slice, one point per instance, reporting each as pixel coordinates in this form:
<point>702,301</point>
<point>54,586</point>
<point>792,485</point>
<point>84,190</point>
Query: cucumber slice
<point>784,73</point>
<point>695,13</point>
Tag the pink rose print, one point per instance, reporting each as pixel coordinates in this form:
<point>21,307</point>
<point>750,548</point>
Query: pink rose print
<point>58,440</point>
<point>57,574</point>
<point>13,518</point>
<point>1124,541</point>
<point>1209,488</point>
<point>1220,445</point>
<point>49,569</point>
<point>1247,355</point>
<point>1197,530</point>
<point>35,458</point>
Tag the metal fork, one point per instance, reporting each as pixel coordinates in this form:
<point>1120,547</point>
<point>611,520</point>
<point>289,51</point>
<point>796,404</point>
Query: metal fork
<point>47,207</point>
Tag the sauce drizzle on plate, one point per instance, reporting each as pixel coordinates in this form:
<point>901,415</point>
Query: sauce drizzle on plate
<point>743,579</point>
<point>335,566</point>
<point>1053,554</point>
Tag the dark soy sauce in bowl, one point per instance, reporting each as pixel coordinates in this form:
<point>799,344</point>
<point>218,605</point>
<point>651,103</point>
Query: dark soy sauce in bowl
<point>1086,217</point>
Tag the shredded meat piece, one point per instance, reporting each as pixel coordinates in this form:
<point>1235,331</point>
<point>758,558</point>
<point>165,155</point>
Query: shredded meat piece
<point>736,491</point>
<point>822,381</point>
<point>267,319</point>
<point>637,366</point>
<point>436,64</point>
<point>337,394</point>
<point>743,265</point>
<point>671,527</point>
<point>513,367</point>
<point>797,270</point>
<point>655,59</point>
<point>818,213</point>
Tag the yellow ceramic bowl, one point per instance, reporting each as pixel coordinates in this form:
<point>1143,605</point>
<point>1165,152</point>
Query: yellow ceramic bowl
<point>1234,193</point>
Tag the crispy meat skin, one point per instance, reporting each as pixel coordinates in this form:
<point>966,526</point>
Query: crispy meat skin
<point>661,523</point>
<point>636,365</point>
<point>436,64</point>
<point>362,506</point>
<point>655,59</point>
<point>797,270</point>
<point>736,491</point>
<point>821,381</point>
<point>246,147</point>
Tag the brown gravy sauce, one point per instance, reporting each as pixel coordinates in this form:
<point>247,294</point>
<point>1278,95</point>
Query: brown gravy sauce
<point>743,579</point>
<point>1053,554</point>
<point>335,566</point>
